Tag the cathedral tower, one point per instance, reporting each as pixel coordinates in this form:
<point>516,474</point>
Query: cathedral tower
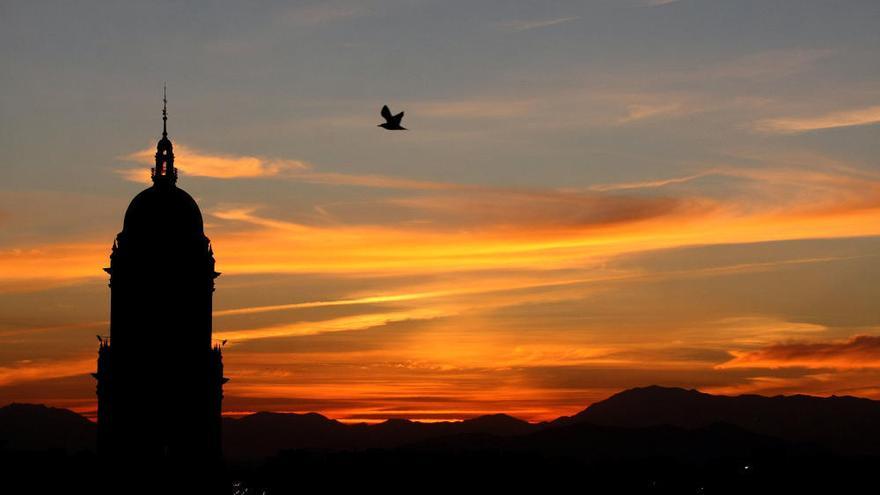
<point>160,377</point>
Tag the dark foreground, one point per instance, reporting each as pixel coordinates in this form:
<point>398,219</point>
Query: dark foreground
<point>403,470</point>
<point>649,440</point>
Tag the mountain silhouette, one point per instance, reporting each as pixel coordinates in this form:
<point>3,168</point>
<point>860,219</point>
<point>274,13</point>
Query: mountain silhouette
<point>847,425</point>
<point>264,434</point>
<point>37,427</point>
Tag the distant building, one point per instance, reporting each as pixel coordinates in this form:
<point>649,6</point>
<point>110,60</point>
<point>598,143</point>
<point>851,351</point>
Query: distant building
<point>160,376</point>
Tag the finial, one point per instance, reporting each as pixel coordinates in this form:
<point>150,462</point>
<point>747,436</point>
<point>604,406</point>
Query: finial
<point>164,110</point>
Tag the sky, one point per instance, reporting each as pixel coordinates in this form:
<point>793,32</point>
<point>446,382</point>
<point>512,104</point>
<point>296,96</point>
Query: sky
<point>592,196</point>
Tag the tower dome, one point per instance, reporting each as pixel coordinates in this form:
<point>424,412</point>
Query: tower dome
<point>168,212</point>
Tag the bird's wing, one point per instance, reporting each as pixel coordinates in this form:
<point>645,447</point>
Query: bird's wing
<point>386,113</point>
<point>397,118</point>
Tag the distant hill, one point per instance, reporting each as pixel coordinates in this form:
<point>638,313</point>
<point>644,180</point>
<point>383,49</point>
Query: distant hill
<point>848,425</point>
<point>264,434</point>
<point>37,427</point>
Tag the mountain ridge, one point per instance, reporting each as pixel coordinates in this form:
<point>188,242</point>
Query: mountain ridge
<point>844,424</point>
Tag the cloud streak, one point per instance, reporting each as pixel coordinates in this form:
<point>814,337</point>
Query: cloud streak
<point>639,112</point>
<point>649,184</point>
<point>342,324</point>
<point>29,371</point>
<point>796,125</point>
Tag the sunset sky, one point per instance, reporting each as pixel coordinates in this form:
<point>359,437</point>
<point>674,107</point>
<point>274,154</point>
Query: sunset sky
<point>593,195</point>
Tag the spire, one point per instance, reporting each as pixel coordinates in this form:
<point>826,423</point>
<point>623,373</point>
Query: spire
<point>164,111</point>
<point>164,171</point>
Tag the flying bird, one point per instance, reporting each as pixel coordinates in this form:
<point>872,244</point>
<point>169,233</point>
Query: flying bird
<point>223,343</point>
<point>392,122</point>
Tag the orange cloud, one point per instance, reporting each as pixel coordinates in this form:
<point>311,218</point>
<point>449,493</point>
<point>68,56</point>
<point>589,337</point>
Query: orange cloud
<point>287,247</point>
<point>862,351</point>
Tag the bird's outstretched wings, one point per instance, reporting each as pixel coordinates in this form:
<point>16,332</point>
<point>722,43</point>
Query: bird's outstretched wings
<point>392,122</point>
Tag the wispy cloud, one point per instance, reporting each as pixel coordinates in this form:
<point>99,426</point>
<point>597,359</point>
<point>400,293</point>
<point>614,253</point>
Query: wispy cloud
<point>794,125</point>
<point>642,112</point>
<point>342,324</point>
<point>648,184</point>
<point>545,209</point>
<point>526,25</point>
<point>320,304</point>
<point>789,190</point>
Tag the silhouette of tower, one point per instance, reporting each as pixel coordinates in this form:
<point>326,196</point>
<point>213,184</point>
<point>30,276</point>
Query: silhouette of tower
<point>160,379</point>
